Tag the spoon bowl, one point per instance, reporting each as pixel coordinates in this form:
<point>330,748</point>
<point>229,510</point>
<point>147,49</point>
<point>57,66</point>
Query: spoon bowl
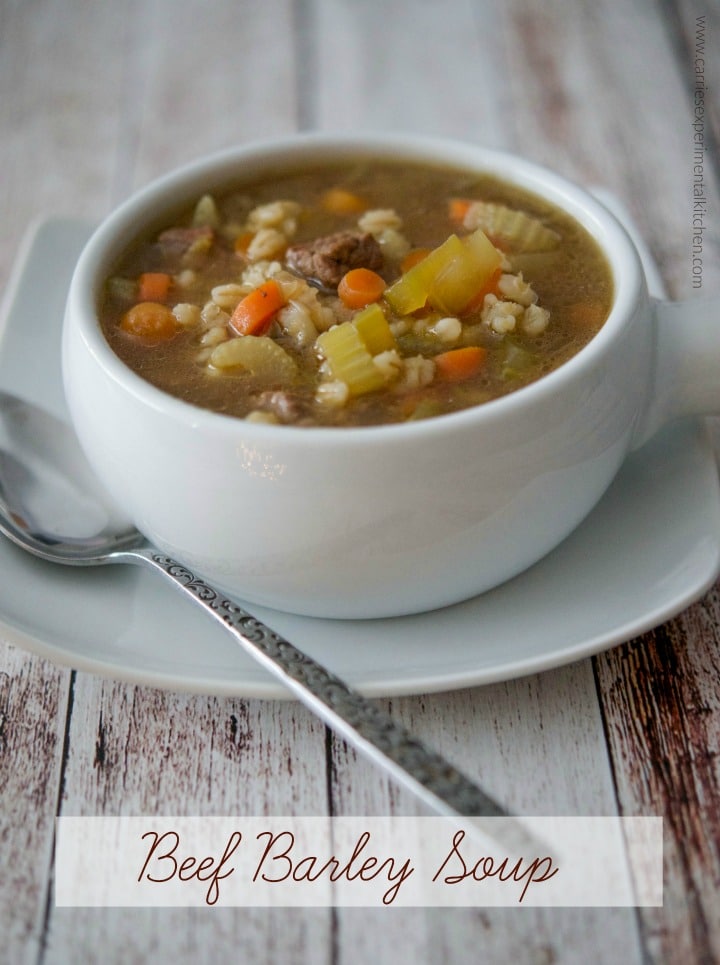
<point>51,502</point>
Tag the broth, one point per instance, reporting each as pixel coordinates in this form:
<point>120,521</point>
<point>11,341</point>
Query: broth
<point>262,305</point>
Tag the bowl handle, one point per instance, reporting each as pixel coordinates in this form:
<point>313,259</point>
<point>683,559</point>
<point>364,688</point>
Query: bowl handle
<point>686,371</point>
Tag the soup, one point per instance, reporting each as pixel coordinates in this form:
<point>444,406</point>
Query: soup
<point>357,295</point>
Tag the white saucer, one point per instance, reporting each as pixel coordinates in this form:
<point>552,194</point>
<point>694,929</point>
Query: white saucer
<point>650,549</point>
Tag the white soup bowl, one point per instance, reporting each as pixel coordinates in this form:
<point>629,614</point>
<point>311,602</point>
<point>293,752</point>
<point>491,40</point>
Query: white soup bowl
<point>389,520</point>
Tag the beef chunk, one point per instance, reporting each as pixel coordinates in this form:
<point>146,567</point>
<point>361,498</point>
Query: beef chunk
<point>286,407</point>
<point>327,259</point>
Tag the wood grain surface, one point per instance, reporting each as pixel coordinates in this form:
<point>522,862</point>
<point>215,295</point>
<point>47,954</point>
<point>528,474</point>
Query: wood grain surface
<point>98,98</point>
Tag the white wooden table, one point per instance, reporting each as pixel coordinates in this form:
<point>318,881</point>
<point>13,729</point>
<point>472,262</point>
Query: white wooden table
<point>98,98</point>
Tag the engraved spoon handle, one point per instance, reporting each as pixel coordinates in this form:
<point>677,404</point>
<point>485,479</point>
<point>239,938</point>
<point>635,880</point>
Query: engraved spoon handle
<point>357,720</point>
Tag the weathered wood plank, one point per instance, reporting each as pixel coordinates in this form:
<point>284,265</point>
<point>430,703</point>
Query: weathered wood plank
<point>33,701</point>
<point>662,707</point>
<point>694,26</point>
<point>408,66</point>
<point>202,77</point>
<point>52,121</point>
<point>60,138</point>
<point>209,755</point>
<point>537,745</point>
<point>139,751</point>
<point>602,97</point>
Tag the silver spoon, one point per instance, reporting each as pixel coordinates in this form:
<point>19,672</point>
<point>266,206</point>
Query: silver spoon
<point>53,506</point>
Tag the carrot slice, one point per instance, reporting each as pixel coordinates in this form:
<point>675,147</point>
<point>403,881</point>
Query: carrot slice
<point>151,321</point>
<point>458,208</point>
<point>460,363</point>
<point>153,286</point>
<point>340,201</point>
<point>412,258</point>
<point>360,286</point>
<point>255,313</point>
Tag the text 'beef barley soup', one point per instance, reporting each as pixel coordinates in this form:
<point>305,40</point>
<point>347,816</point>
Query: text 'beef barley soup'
<point>357,295</point>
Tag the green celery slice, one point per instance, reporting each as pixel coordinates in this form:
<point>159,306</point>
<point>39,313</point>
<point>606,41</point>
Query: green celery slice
<point>373,328</point>
<point>349,359</point>
<point>461,280</point>
<point>410,292</point>
<point>448,278</point>
<point>518,363</point>
<point>515,229</point>
<point>260,355</point>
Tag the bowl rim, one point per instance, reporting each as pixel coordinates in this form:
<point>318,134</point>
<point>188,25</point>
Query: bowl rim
<point>181,185</point>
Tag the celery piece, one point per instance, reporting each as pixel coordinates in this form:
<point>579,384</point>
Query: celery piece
<point>448,278</point>
<point>122,289</point>
<point>374,330</point>
<point>517,230</point>
<point>349,359</point>
<point>487,257</point>
<point>518,363</point>
<point>463,277</point>
<point>206,213</point>
<point>259,355</point>
<point>411,290</point>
